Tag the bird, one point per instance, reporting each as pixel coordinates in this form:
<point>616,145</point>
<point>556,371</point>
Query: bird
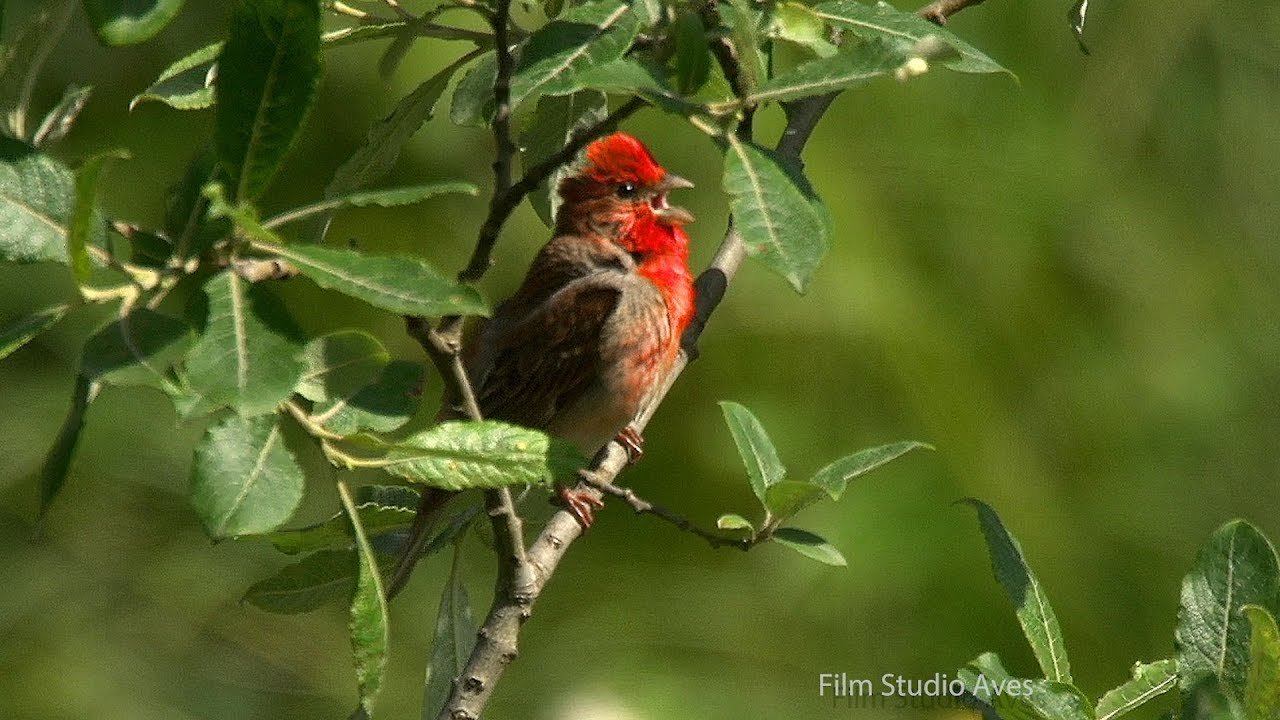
<point>595,324</point>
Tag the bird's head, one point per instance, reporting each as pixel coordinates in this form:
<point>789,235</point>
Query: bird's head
<point>620,185</point>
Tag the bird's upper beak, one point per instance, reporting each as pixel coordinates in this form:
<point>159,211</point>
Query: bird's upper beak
<point>665,212</point>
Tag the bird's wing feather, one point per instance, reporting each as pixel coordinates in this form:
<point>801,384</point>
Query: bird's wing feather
<point>549,357</point>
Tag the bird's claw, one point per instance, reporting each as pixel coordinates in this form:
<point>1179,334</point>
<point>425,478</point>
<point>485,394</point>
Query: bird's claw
<point>633,442</point>
<point>581,504</point>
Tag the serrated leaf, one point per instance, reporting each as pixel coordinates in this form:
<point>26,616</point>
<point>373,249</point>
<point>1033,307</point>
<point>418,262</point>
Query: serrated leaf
<point>403,285</point>
<point>389,197</point>
<point>86,220</point>
<point>1030,602</point>
<point>59,121</point>
<point>312,582</point>
<point>552,126</point>
<point>23,59</point>
<point>127,22</point>
<point>1262,687</point>
<point>369,622</point>
<point>340,363</point>
<point>187,84</point>
<point>1236,567</point>
<point>692,58</point>
<point>777,215</point>
<point>249,355</point>
<point>809,545</point>
<point>853,65</point>
<point>759,456</point>
<point>1149,680</point>
<point>57,462</point>
<point>388,136</point>
<point>885,21</point>
<point>20,332</point>
<point>244,480</point>
<point>382,508</point>
<point>1019,699</point>
<point>582,37</point>
<point>485,454</point>
<point>268,76</point>
<point>381,406</point>
<point>136,349</point>
<point>455,637</point>
<point>734,522</point>
<point>36,199</point>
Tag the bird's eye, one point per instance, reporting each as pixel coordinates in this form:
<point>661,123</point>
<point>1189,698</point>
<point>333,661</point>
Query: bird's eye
<point>627,190</point>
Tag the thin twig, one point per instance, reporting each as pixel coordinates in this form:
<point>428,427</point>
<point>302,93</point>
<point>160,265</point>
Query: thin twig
<point>644,507</point>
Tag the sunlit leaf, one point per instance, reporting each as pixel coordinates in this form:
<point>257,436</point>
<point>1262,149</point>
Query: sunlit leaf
<point>126,22</point>
<point>809,545</point>
<point>734,522</point>
<point>584,36</point>
<point>1262,687</point>
<point>381,406</point>
<point>187,84</point>
<point>485,454</point>
<point>340,363</point>
<point>759,456</point>
<point>388,197</point>
<point>36,198</point>
<point>1149,680</point>
<point>1030,602</point>
<point>850,66</point>
<point>886,22</point>
<point>244,480</point>
<point>369,622</point>
<point>835,477</point>
<point>799,24</point>
<point>1019,699</point>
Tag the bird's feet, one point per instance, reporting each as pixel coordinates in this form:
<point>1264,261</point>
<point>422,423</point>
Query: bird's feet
<point>633,442</point>
<point>581,504</point>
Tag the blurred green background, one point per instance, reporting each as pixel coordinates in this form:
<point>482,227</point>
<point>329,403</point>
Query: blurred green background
<point>1068,284</point>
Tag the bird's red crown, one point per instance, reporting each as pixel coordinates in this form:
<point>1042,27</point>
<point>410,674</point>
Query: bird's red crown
<point>621,158</point>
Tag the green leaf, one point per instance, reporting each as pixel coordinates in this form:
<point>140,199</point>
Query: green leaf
<point>834,478</point>
<point>554,122</point>
<point>381,507</point>
<point>1039,623</point>
<point>692,58</point>
<point>249,356</point>
<point>754,446</point>
<point>485,454</point>
<point>312,582</point>
<point>59,121</point>
<point>744,34</point>
<point>86,219</point>
<point>368,626</point>
<point>1237,567</point>
<point>57,462</point>
<point>646,79</point>
<point>472,103</point>
<point>775,212</point>
<point>403,285</point>
<point>127,22</point>
<point>1149,680</point>
<point>809,545</point>
<point>584,36</point>
<point>799,24</point>
<point>1262,687</point>
<point>244,480</point>
<point>785,498</point>
<point>388,136</point>
<point>19,333</point>
<point>852,66</point>
<point>23,59</point>
<point>340,364</point>
<point>36,194</point>
<point>1018,699</point>
<point>389,197</point>
<point>735,522</point>
<point>382,406</point>
<point>186,84</point>
<point>136,349</point>
<point>454,639</point>
<point>268,75</point>
<point>886,22</point>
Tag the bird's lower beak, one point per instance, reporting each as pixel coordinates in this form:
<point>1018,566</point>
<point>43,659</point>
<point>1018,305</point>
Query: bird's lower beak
<point>665,212</point>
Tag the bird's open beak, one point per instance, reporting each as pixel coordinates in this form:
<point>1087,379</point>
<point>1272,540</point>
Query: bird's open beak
<point>667,213</point>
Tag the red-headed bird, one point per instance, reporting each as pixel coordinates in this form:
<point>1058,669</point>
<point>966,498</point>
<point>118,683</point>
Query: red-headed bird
<point>597,321</point>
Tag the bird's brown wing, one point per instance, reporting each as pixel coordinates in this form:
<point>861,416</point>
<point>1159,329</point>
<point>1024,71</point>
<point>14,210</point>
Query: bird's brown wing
<point>548,358</point>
